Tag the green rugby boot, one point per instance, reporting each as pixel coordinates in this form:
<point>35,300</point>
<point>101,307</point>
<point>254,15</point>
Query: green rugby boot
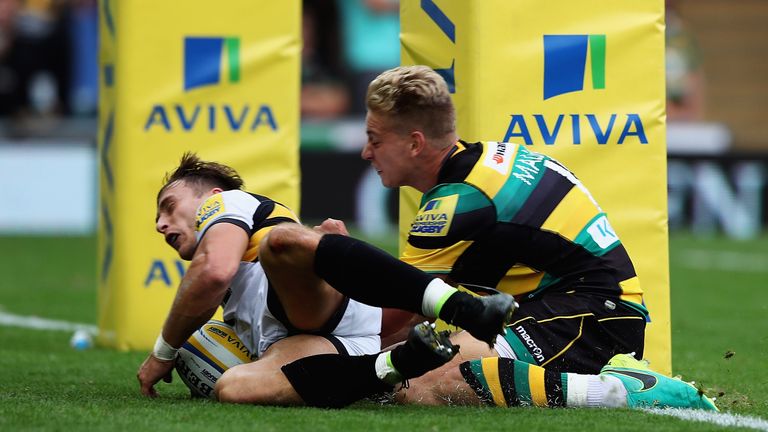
<point>649,389</point>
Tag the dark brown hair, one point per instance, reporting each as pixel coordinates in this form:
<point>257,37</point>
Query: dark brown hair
<point>202,174</point>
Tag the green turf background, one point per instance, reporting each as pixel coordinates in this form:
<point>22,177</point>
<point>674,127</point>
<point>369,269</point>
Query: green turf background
<point>719,306</point>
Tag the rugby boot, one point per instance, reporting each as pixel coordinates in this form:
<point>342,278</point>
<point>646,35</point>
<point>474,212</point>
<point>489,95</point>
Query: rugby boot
<point>483,317</point>
<point>424,350</point>
<point>649,389</point>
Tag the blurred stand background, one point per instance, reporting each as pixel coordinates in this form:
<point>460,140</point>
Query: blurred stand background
<point>717,95</point>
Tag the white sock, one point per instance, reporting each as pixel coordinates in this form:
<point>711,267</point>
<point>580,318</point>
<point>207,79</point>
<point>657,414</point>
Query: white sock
<point>385,371</point>
<point>578,386</point>
<point>595,391</point>
<point>614,394</point>
<point>435,295</point>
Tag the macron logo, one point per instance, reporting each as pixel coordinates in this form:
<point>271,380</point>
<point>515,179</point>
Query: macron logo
<point>205,57</point>
<point>565,63</point>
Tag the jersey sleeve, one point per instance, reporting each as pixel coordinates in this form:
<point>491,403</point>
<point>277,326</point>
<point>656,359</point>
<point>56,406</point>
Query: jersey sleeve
<point>255,214</point>
<point>269,214</point>
<point>450,218</point>
<point>233,207</point>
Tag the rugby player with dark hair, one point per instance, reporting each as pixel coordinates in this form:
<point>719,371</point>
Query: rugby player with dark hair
<point>280,307</point>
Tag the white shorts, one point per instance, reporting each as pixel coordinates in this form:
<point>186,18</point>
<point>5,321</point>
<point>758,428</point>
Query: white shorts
<point>354,332</point>
<point>503,349</point>
<point>259,320</point>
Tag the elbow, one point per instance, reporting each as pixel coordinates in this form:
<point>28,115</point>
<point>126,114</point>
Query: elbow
<point>217,281</point>
<point>214,289</point>
<point>218,278</point>
<point>214,277</point>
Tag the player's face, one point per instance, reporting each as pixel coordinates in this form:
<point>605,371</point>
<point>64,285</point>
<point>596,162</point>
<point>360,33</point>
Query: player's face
<point>387,150</point>
<point>176,209</point>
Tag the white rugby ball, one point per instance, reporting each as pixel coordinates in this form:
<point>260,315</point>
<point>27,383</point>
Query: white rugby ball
<point>209,352</point>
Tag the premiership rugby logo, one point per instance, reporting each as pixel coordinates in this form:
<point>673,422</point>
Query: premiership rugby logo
<point>434,219</point>
<point>210,208</point>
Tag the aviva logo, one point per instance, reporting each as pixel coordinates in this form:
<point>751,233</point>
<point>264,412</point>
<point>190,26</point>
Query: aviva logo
<point>204,58</point>
<point>432,205</point>
<point>569,62</point>
<point>565,63</point>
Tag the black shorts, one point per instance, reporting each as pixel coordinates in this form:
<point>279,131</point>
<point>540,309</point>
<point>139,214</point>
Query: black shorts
<point>575,332</point>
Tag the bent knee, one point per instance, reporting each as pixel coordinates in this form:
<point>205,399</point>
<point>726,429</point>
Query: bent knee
<point>256,383</point>
<point>278,238</point>
<point>285,237</point>
<point>226,388</point>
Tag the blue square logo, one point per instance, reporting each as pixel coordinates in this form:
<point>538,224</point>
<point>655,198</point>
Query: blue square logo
<point>203,60</point>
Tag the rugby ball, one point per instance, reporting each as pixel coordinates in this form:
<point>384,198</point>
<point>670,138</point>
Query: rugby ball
<point>209,352</point>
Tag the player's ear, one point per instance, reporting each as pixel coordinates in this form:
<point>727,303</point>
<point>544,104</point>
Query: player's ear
<point>418,142</point>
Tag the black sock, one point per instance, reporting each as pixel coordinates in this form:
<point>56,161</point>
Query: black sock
<point>334,380</point>
<point>368,274</point>
<point>414,358</point>
<point>460,305</point>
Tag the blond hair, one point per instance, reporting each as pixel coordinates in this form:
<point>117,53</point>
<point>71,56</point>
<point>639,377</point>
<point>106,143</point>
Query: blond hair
<point>415,97</point>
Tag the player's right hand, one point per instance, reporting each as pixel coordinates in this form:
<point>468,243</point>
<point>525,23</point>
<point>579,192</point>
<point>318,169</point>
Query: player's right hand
<point>152,371</point>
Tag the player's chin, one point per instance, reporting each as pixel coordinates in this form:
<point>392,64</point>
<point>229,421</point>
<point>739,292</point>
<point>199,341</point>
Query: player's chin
<point>386,181</point>
<point>186,253</point>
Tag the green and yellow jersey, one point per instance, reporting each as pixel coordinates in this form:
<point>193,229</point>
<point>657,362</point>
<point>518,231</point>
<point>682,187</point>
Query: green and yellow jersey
<point>504,217</point>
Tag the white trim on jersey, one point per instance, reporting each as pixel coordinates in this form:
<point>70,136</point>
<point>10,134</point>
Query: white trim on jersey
<point>232,204</point>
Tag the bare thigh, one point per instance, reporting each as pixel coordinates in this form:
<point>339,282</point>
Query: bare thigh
<point>287,255</point>
<point>262,382</point>
<point>445,385</point>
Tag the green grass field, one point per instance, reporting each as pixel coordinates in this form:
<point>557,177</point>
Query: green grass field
<point>718,301</point>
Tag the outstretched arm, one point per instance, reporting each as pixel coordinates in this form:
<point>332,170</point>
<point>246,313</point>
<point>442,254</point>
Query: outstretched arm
<point>213,266</point>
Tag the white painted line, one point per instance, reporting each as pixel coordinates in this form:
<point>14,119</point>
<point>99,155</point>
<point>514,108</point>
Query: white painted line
<point>736,261</point>
<point>37,323</point>
<point>715,418</point>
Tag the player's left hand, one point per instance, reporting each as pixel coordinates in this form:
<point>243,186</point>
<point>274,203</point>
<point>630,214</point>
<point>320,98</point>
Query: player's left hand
<point>152,371</point>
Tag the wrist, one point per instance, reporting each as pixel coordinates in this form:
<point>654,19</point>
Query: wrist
<point>163,350</point>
